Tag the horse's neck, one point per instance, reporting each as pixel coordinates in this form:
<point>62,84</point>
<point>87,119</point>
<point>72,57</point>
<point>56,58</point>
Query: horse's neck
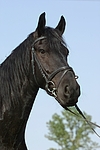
<point>13,123</point>
<point>16,99</point>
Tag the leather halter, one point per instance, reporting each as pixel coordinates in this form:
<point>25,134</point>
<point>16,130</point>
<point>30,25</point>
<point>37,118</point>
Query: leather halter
<point>48,78</point>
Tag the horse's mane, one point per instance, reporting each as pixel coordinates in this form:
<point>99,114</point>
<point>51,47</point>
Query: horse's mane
<point>13,73</point>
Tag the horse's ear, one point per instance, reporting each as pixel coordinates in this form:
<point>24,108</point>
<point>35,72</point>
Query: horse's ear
<point>41,24</point>
<point>61,25</point>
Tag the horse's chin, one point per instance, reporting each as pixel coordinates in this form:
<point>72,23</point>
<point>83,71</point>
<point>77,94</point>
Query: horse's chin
<point>67,103</point>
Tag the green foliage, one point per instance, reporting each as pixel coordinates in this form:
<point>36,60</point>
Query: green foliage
<point>70,132</point>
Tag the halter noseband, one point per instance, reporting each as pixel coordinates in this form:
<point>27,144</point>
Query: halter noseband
<point>48,78</point>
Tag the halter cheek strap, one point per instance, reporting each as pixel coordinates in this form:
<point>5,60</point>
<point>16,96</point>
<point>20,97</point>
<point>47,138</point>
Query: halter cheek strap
<point>34,59</point>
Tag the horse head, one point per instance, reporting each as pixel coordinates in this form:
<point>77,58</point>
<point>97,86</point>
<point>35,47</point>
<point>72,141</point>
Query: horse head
<point>50,66</point>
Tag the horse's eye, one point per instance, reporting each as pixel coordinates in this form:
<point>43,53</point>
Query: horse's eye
<point>42,51</point>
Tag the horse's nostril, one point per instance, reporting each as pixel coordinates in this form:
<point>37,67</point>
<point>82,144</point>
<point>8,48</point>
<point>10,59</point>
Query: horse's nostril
<point>66,88</point>
<point>67,91</point>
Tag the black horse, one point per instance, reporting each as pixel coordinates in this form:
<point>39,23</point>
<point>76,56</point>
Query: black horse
<point>38,62</point>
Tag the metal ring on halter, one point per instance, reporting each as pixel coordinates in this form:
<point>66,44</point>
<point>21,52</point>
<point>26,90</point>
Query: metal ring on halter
<point>50,88</point>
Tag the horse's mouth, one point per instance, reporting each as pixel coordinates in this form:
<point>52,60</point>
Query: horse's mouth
<point>72,102</point>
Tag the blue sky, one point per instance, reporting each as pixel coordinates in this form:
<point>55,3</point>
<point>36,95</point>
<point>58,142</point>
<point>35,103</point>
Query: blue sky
<point>19,18</point>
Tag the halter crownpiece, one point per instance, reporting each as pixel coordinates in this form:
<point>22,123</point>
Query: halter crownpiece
<point>50,86</point>
<point>38,39</point>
